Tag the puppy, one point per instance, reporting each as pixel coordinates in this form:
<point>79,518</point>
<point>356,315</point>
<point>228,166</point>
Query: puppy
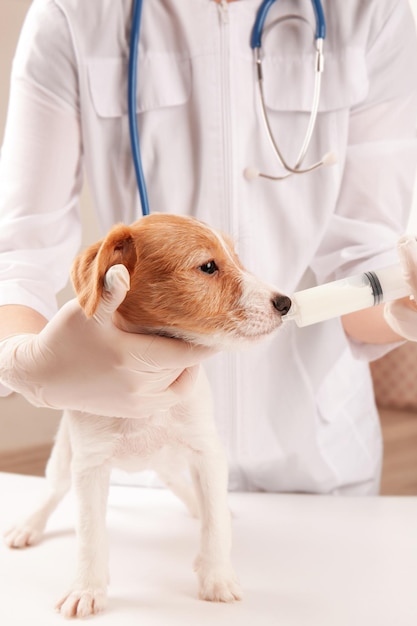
<point>188,283</point>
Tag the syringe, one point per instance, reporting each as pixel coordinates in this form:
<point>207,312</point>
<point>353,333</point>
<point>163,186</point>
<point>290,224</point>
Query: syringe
<point>323,302</point>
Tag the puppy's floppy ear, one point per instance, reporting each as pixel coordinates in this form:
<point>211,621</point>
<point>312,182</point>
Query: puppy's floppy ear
<point>90,267</point>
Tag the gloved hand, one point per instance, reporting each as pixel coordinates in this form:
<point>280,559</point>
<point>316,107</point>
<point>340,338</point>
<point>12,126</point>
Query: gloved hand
<point>401,315</point>
<point>90,365</point>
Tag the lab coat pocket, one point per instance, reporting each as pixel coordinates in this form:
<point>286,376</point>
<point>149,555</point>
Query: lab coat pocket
<point>163,81</point>
<point>289,81</point>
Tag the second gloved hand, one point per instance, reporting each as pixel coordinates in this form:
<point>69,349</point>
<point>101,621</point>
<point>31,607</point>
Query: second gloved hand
<point>401,315</point>
<point>90,365</point>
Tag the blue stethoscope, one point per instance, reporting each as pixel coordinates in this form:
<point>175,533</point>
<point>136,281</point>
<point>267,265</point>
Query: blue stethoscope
<point>256,45</point>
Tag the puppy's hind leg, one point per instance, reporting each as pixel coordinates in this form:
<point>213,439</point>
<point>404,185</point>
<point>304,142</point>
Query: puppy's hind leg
<point>29,531</point>
<point>173,471</point>
<point>184,491</point>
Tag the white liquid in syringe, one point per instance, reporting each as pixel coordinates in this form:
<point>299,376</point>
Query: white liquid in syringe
<point>347,295</point>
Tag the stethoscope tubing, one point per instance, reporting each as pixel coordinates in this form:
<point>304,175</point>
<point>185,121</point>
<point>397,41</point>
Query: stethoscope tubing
<point>132,91</point>
<point>256,43</point>
<point>258,27</point>
<point>320,19</point>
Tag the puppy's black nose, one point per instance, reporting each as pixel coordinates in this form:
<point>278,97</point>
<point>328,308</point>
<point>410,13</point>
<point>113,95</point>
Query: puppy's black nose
<point>282,304</point>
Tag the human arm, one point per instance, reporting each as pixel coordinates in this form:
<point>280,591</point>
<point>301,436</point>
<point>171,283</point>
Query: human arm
<point>378,178</point>
<point>40,169</point>
<point>16,319</point>
<point>370,326</point>
<point>92,366</point>
<point>68,362</point>
<point>394,321</point>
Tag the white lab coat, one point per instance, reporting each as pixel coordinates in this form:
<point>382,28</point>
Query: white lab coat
<point>296,413</point>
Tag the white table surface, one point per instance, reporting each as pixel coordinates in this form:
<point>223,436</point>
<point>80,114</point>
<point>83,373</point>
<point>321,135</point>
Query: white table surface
<point>302,561</point>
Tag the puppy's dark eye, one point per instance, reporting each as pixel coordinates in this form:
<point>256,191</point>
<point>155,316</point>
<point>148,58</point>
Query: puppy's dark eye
<point>209,268</point>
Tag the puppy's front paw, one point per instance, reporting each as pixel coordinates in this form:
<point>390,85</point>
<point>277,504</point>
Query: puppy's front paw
<point>26,533</point>
<point>82,603</point>
<point>217,583</point>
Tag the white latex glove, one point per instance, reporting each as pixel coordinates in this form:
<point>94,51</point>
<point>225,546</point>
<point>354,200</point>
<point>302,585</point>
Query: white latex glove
<point>90,365</point>
<point>401,315</point>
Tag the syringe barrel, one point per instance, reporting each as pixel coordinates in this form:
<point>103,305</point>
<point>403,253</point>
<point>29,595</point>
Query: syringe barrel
<point>347,295</point>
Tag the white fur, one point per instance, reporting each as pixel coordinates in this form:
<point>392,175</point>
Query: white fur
<point>88,446</point>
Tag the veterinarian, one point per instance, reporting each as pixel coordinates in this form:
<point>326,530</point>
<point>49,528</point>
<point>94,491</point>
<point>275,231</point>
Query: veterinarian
<point>296,412</point>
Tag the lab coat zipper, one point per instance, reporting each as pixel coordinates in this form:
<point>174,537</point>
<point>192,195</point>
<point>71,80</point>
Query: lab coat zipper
<point>225,109</point>
<point>230,226</point>
<point>225,96</point>
<point>224,10</point>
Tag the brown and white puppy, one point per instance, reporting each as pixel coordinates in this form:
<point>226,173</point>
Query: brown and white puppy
<point>187,282</point>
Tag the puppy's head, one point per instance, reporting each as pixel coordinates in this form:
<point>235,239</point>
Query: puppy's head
<point>185,281</point>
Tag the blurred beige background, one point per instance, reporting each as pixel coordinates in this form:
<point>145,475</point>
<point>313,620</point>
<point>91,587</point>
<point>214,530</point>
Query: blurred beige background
<point>26,433</point>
